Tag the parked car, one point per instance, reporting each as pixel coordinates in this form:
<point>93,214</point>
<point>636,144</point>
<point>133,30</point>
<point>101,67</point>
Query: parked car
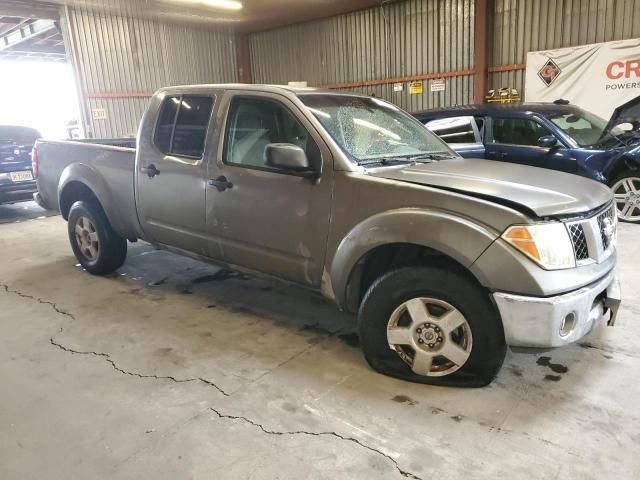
<point>445,260</point>
<point>558,136</point>
<point>16,178</point>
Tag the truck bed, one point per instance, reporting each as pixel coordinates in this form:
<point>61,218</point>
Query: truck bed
<point>108,168</point>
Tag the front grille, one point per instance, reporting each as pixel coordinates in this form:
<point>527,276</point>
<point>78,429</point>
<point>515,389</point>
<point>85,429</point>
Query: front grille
<point>592,237</point>
<point>606,221</point>
<point>579,241</point>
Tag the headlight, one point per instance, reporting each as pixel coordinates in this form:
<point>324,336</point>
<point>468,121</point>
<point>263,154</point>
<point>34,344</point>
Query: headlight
<point>547,244</point>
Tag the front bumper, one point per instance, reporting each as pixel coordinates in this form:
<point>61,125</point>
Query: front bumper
<point>561,319</point>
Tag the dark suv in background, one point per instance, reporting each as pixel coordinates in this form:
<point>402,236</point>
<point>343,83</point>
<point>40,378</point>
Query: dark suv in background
<point>16,178</point>
<point>557,135</point>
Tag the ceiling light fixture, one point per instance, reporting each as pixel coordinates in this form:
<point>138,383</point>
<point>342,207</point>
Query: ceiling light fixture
<point>228,4</point>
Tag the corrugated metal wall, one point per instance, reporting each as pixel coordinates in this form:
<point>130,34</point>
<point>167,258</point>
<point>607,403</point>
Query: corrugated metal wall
<point>118,55</point>
<point>121,57</point>
<point>522,26</point>
<point>402,39</point>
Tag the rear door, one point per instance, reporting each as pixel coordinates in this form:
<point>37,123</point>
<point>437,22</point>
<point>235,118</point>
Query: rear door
<point>268,219</point>
<point>171,175</point>
<point>462,134</point>
<point>515,140</point>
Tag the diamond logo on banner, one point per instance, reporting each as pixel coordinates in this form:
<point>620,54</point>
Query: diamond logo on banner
<point>549,72</point>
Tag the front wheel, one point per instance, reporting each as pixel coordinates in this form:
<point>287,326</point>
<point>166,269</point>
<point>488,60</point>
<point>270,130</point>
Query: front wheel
<point>431,325</point>
<point>626,190</point>
<point>95,244</point>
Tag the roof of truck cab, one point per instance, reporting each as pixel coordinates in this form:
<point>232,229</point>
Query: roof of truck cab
<point>257,87</point>
<point>498,109</point>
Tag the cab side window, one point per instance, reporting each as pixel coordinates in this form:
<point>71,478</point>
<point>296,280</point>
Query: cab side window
<point>517,131</point>
<point>254,123</point>
<point>454,129</point>
<point>182,125</point>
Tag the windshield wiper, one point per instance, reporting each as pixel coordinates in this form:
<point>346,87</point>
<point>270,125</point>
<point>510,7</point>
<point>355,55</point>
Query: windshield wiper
<point>425,157</point>
<point>387,161</point>
<point>416,158</point>
<point>431,156</point>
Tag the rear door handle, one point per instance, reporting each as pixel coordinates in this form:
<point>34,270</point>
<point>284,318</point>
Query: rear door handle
<point>221,183</point>
<point>151,170</point>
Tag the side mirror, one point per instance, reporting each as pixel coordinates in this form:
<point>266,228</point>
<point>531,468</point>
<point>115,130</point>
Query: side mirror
<point>547,141</point>
<point>287,156</point>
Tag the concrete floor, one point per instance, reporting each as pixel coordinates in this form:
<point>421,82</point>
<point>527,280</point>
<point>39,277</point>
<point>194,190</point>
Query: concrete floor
<point>167,371</point>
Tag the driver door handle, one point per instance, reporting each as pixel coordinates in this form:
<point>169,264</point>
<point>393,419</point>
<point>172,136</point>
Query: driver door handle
<point>221,183</point>
<point>151,170</point>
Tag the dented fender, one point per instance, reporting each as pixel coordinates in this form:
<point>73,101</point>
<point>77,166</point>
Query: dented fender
<point>458,237</point>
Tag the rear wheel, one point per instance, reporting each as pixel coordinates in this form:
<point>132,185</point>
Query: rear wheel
<point>626,190</point>
<point>431,325</point>
<point>95,244</point>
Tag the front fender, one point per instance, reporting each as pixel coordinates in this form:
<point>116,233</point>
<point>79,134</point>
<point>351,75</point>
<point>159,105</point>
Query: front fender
<point>91,178</point>
<point>458,237</point>
<point>629,160</point>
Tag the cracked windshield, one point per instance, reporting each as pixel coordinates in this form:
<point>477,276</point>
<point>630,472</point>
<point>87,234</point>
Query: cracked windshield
<point>370,130</point>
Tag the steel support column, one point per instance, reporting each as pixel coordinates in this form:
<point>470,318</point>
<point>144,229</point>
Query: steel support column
<point>243,59</point>
<point>481,49</point>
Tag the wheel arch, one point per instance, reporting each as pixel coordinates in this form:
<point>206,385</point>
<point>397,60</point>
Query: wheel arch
<point>72,192</point>
<point>622,164</point>
<point>399,237</point>
<point>81,182</point>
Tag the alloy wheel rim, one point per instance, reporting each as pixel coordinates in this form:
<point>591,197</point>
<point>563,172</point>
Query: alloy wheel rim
<point>430,335</point>
<point>627,196</point>
<point>87,238</point>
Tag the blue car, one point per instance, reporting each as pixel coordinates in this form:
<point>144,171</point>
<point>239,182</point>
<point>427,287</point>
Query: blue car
<point>16,178</point>
<point>555,135</point>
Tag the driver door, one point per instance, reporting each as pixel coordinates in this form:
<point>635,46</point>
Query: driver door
<point>263,218</point>
<point>515,140</point>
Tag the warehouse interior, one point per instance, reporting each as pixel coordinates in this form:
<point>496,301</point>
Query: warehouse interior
<point>172,367</point>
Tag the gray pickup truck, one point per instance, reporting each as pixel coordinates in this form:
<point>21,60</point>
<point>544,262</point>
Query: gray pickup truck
<point>444,260</point>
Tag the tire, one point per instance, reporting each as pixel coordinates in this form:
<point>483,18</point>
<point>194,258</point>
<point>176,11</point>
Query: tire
<point>441,292</point>
<point>95,244</point>
<point>626,188</point>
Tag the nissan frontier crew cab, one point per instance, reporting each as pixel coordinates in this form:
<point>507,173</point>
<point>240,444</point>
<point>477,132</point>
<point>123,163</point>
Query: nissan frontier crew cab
<point>444,260</point>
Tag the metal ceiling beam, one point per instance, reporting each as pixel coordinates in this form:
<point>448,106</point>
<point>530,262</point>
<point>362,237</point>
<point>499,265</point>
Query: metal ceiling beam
<point>25,32</point>
<point>32,53</point>
<point>10,23</point>
<point>34,12</point>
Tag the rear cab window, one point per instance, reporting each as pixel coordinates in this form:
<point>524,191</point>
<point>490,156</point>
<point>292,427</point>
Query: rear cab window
<point>455,130</point>
<point>183,124</point>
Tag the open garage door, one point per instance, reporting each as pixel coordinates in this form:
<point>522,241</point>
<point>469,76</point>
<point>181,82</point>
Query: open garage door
<point>37,85</point>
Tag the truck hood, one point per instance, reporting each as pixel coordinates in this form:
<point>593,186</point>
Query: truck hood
<point>546,193</point>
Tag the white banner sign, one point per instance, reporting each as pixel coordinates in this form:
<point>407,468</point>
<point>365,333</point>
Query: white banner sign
<point>597,77</point>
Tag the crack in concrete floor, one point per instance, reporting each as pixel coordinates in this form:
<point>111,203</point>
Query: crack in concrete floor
<point>268,431</point>
<point>109,360</point>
